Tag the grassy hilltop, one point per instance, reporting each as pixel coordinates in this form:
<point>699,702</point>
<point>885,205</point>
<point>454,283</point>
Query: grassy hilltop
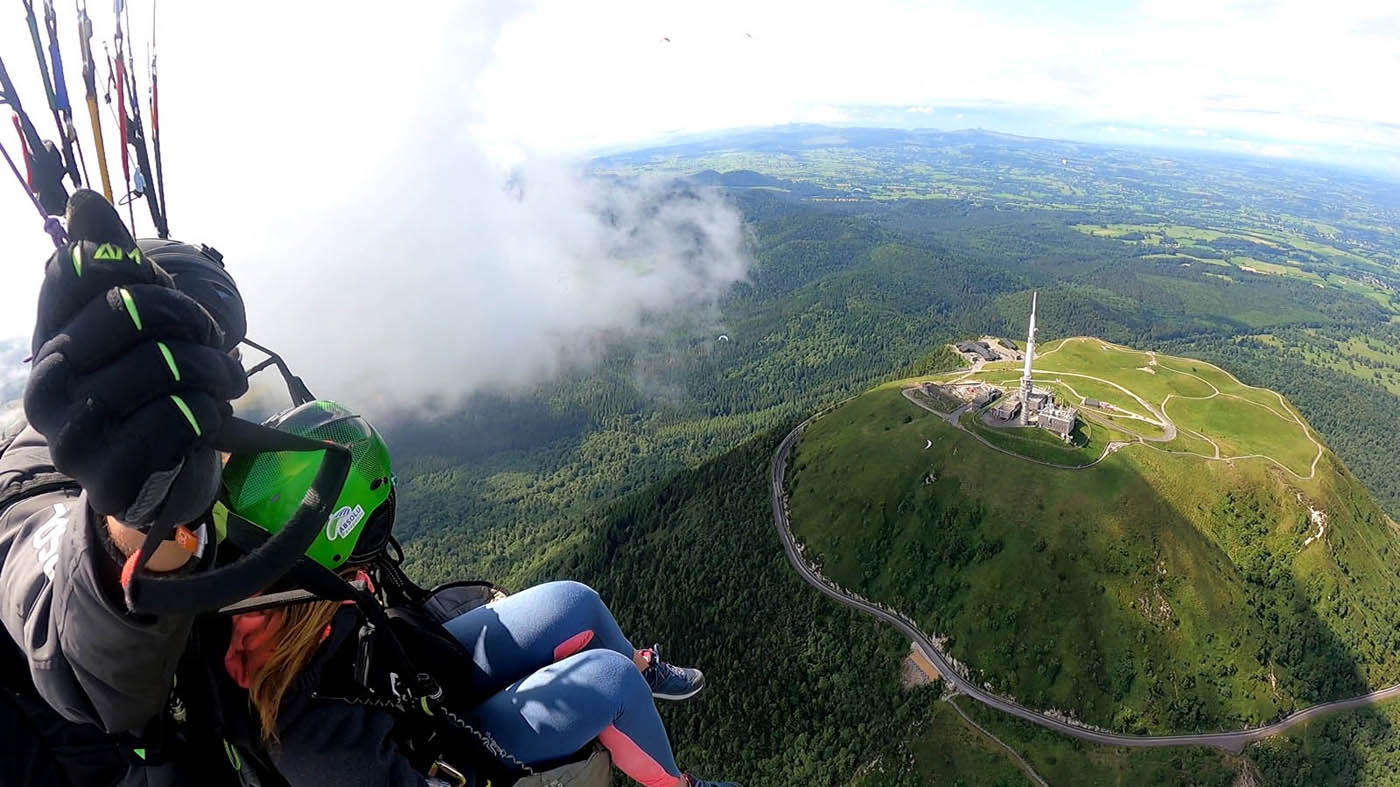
<point>1218,567</point>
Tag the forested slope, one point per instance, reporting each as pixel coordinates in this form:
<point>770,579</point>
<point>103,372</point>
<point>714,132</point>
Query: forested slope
<point>801,691</point>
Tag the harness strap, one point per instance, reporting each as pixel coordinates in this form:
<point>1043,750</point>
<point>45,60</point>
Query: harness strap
<point>395,583</point>
<point>35,484</point>
<point>282,599</point>
<point>440,716</point>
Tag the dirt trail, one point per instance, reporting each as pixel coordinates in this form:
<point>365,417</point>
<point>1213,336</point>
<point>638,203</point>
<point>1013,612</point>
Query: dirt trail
<point>1010,752</point>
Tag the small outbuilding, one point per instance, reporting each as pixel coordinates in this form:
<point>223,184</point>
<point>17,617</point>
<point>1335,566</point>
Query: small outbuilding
<point>985,397</point>
<point>1039,398</point>
<point>979,349</point>
<point>1058,420</point>
<point>1007,409</point>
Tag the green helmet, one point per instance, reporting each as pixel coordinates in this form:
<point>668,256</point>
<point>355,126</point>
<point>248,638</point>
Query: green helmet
<point>266,488</point>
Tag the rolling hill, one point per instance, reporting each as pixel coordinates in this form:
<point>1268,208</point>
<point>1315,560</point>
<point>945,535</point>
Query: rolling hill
<point>1196,560</point>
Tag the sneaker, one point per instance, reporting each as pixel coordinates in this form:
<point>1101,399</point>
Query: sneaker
<point>691,781</point>
<point>669,682</point>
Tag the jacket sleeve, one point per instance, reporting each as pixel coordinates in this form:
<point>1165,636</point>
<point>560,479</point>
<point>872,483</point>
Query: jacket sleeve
<point>334,743</point>
<point>89,658</point>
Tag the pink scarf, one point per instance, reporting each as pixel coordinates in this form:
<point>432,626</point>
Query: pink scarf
<point>251,644</point>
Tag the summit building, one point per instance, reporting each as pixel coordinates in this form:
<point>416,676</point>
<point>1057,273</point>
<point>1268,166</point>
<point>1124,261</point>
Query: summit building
<point>1032,405</point>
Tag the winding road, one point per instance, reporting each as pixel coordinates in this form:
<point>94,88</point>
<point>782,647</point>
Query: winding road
<point>1233,742</point>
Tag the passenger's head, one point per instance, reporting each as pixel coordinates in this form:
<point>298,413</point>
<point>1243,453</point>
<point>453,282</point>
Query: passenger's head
<point>295,633</point>
<point>265,489</point>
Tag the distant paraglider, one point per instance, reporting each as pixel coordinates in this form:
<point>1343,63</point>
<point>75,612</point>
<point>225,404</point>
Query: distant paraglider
<point>723,338</point>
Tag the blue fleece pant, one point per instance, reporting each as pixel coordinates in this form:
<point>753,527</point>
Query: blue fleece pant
<point>563,675</point>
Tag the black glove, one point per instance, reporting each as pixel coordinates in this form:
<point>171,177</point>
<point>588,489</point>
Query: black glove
<point>128,383</point>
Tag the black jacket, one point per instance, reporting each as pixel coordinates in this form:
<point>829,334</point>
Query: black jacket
<point>110,677</point>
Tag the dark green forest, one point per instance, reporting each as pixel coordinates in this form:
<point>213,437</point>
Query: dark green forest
<point>647,476</point>
<point>802,689</point>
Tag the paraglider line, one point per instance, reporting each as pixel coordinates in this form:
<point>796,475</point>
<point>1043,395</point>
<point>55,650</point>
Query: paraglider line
<point>24,154</point>
<point>90,94</point>
<point>51,224</point>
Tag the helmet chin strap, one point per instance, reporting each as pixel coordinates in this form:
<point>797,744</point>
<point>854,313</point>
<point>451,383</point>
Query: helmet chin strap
<point>374,536</point>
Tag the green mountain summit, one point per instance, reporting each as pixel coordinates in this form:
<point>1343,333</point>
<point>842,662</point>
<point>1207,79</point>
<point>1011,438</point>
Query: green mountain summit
<point>1191,557</point>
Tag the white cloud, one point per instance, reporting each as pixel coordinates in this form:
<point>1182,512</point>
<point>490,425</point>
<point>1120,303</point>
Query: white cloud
<point>387,255</point>
<point>1266,149</point>
<point>923,110</point>
<point>262,146</point>
<point>12,371</point>
<point>826,114</point>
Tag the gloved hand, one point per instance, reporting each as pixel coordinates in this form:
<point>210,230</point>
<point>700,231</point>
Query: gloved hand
<point>128,383</point>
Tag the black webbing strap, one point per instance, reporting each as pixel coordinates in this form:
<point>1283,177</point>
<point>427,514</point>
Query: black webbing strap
<point>37,484</point>
<point>397,588</point>
<point>283,598</point>
<point>260,567</point>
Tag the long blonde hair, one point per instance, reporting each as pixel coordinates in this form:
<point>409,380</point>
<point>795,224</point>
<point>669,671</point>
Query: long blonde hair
<point>293,644</point>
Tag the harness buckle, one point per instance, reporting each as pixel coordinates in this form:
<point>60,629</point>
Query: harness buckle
<point>444,772</point>
<point>429,687</point>
<point>364,653</point>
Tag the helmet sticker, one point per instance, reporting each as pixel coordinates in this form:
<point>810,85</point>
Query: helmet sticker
<point>343,522</point>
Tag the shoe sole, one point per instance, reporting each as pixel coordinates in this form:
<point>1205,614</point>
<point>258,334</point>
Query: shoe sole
<point>700,684</point>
